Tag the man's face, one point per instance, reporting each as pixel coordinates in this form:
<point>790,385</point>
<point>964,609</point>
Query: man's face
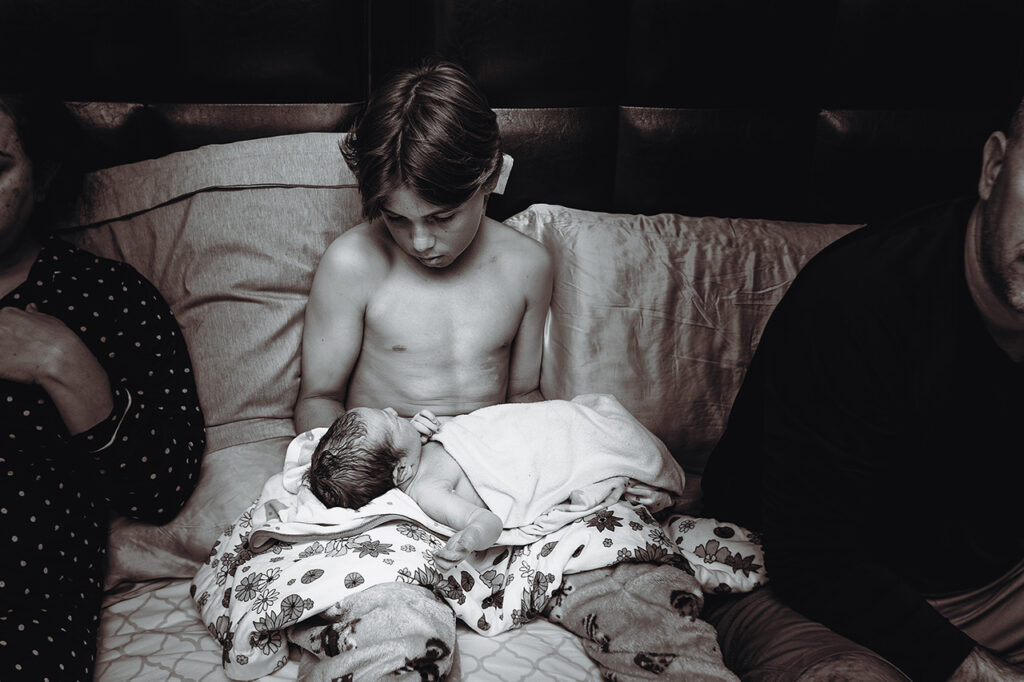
<point>1002,229</point>
<point>433,235</point>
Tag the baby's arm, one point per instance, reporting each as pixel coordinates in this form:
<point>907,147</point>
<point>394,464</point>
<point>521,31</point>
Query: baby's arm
<point>476,527</point>
<point>481,532</point>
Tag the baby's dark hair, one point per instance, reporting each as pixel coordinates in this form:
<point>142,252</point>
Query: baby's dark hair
<point>428,128</point>
<point>348,471</point>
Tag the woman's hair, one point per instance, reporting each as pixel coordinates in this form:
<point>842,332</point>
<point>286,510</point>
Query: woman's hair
<point>52,139</point>
<point>428,128</point>
<point>346,469</point>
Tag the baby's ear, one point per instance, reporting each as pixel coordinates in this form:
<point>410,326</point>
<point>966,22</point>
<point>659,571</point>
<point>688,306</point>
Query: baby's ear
<point>401,474</point>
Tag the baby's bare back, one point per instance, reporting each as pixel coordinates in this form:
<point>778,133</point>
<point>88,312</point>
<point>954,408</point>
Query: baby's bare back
<point>438,470</point>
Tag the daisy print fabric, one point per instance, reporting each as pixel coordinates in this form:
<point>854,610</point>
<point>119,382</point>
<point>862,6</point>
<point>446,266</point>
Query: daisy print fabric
<point>249,599</point>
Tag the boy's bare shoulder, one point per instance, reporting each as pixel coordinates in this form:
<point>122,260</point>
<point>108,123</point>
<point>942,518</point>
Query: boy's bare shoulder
<point>517,247</point>
<point>359,249</point>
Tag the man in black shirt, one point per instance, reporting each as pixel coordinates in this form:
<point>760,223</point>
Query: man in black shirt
<point>876,440</point>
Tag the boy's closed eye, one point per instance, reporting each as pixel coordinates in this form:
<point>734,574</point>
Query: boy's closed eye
<point>437,218</point>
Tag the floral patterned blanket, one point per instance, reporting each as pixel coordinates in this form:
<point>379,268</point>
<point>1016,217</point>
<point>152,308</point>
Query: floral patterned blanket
<point>273,570</point>
<point>249,599</point>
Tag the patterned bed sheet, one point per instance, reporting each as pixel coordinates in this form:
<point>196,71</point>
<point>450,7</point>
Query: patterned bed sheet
<point>152,633</point>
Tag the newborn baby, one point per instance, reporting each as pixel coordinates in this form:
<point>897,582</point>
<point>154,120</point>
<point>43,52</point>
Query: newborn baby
<point>474,473</point>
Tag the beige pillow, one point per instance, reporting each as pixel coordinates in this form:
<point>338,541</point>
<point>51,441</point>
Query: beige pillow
<point>231,235</point>
<point>663,311</point>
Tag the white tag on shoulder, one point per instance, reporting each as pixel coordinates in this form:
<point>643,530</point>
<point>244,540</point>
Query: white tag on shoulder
<point>506,169</point>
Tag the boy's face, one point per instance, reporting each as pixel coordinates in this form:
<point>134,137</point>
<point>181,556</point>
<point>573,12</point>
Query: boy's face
<point>433,235</point>
<point>386,423</point>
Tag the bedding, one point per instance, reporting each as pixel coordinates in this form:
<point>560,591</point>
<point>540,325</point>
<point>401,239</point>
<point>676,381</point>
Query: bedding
<point>230,235</point>
<point>152,633</point>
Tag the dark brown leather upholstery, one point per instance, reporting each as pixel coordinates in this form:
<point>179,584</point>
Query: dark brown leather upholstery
<point>823,110</point>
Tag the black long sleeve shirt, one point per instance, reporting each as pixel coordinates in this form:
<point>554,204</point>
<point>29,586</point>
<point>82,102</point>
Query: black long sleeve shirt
<point>57,490</point>
<point>876,442</point>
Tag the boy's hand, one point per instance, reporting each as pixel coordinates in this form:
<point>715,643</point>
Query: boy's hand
<point>426,423</point>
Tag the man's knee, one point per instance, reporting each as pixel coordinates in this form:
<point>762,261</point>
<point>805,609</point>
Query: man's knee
<point>861,666</point>
<point>763,639</point>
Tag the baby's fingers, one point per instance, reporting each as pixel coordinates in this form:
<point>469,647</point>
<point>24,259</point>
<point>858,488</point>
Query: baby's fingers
<point>451,554</point>
<point>429,416</point>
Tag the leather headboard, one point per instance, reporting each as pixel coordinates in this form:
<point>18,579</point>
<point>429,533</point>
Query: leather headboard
<point>817,110</point>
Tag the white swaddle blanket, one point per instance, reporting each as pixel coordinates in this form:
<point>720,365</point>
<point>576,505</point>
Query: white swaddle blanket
<point>534,464</point>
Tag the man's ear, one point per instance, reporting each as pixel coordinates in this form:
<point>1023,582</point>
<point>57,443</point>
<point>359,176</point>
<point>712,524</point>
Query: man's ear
<point>992,157</point>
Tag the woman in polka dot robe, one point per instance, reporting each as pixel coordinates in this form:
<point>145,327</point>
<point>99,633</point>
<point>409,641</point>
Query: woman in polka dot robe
<point>98,413</point>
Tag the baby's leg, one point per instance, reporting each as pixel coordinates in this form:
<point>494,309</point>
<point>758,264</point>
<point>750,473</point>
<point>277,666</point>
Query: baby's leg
<point>639,622</point>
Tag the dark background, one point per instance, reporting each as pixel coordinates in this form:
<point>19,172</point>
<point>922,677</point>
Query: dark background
<point>821,110</point>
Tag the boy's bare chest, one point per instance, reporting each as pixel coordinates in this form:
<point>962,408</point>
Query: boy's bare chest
<point>470,311</point>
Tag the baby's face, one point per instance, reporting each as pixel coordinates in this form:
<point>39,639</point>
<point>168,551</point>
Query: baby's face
<point>381,424</point>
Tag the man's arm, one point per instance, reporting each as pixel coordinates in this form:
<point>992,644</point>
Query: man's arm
<point>528,345</point>
<point>835,441</point>
<point>333,331</point>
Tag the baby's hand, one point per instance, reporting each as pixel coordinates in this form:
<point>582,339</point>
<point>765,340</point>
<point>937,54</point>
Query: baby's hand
<point>452,554</point>
<point>426,423</point>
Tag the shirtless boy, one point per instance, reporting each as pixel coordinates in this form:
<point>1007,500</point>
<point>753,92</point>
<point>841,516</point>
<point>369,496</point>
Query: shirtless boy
<point>429,304</point>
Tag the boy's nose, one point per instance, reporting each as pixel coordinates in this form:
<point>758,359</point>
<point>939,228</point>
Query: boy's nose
<point>422,239</point>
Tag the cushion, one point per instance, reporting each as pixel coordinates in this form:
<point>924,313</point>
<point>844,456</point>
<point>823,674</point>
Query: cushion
<point>663,311</point>
<point>231,235</point>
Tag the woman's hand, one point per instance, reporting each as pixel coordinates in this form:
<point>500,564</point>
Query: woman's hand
<point>36,348</point>
<point>30,341</point>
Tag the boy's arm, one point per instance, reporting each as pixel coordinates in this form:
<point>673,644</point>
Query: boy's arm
<point>528,345</point>
<point>332,334</point>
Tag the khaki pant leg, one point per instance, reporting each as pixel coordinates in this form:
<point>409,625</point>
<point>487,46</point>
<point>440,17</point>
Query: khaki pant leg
<point>763,640</point>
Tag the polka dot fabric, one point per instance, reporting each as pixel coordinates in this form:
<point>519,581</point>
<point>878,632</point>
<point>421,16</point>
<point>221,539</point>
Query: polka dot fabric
<point>57,490</point>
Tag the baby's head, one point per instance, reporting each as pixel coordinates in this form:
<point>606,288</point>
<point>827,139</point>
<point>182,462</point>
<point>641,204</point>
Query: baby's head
<point>364,453</point>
